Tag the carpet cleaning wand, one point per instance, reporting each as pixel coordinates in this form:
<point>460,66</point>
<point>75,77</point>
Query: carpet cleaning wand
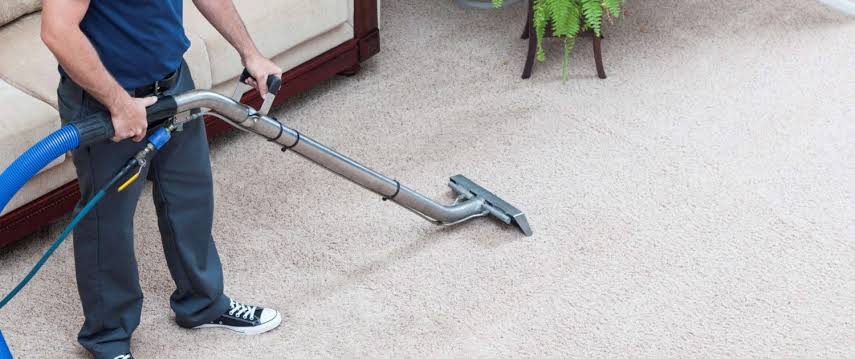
<point>170,112</point>
<point>472,201</point>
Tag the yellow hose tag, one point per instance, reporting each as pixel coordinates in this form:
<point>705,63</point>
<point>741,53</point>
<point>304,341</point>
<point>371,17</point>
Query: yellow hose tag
<point>130,181</point>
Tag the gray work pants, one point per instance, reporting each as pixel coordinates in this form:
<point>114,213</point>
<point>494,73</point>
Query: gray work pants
<point>107,277</point>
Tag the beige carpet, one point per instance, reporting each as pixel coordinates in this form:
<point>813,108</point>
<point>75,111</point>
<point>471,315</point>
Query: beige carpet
<point>699,202</point>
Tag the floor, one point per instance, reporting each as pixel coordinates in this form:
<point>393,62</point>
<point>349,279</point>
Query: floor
<point>698,202</point>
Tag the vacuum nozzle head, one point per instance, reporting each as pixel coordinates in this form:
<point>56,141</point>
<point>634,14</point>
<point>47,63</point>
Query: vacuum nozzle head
<point>497,207</point>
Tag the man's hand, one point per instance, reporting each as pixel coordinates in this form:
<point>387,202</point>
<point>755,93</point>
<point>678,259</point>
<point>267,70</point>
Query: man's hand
<point>260,68</point>
<point>225,18</point>
<point>129,118</point>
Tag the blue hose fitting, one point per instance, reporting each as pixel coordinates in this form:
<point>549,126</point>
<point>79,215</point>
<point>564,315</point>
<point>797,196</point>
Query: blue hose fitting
<point>159,138</point>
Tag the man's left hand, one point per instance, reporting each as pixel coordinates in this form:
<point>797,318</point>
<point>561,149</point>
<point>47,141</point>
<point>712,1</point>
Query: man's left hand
<point>260,67</point>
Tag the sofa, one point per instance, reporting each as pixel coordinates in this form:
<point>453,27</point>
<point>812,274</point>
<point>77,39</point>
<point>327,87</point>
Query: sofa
<point>312,40</point>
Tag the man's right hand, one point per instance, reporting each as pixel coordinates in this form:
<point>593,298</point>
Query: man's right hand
<point>61,33</point>
<point>129,118</point>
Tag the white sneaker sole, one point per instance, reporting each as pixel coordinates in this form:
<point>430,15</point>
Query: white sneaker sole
<point>258,329</point>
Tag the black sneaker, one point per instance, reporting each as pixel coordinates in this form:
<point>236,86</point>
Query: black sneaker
<point>124,356</point>
<point>245,319</point>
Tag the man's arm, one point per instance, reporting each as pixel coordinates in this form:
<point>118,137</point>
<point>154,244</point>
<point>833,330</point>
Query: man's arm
<point>225,18</point>
<point>62,35</point>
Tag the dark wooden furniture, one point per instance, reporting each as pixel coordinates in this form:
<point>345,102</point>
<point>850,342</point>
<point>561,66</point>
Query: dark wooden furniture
<point>344,59</point>
<point>528,33</point>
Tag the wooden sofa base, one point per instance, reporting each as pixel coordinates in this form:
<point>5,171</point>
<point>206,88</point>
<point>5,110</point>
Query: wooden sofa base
<point>344,59</point>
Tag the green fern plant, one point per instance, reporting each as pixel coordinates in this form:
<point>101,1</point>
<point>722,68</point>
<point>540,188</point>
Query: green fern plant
<point>568,18</point>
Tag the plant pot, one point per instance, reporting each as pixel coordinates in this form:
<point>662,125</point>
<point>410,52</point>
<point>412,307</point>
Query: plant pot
<point>482,4</point>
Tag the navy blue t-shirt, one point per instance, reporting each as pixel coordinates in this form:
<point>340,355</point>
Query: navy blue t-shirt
<point>139,41</point>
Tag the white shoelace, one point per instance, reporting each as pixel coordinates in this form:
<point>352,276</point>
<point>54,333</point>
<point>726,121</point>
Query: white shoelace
<point>240,310</point>
<point>123,356</point>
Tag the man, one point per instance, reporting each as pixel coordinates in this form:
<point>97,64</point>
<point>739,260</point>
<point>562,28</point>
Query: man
<point>115,56</point>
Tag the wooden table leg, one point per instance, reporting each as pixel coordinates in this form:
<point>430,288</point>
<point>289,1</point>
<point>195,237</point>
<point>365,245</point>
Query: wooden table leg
<point>527,28</point>
<point>598,56</point>
<point>532,41</point>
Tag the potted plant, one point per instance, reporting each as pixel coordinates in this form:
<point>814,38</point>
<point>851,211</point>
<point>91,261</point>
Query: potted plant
<point>566,19</point>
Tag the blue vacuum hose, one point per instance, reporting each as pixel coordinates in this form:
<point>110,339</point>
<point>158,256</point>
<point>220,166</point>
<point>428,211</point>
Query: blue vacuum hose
<point>67,138</point>
<point>4,348</point>
<point>37,157</point>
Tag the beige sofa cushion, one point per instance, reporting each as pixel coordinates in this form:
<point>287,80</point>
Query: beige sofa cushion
<point>299,54</point>
<point>24,121</point>
<point>13,9</point>
<point>199,62</point>
<point>275,26</point>
<point>27,63</point>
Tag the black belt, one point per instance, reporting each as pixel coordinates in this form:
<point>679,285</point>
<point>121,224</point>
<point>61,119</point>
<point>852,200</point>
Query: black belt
<point>156,88</point>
